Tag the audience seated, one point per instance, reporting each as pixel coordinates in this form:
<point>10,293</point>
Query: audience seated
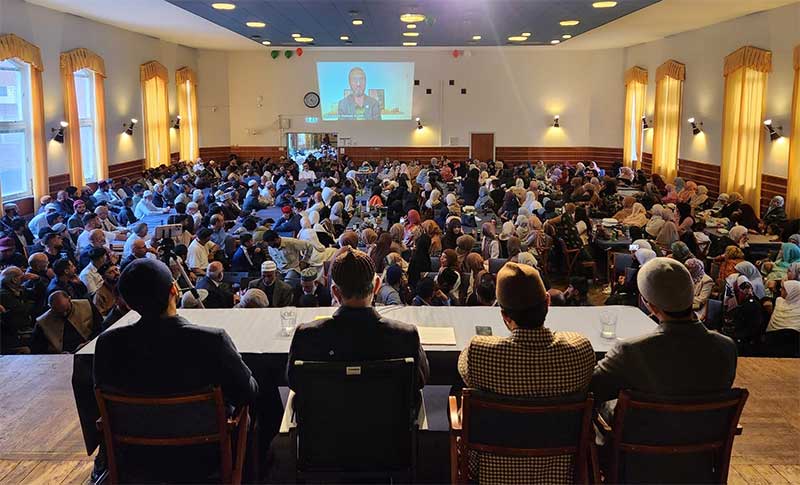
<point>279,294</point>
<point>66,327</point>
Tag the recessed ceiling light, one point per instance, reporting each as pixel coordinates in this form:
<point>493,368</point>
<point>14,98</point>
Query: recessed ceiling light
<point>411,18</point>
<point>358,21</point>
<point>223,6</point>
<point>304,39</point>
<point>517,38</point>
<point>476,37</point>
<point>411,26</point>
<point>410,34</point>
<point>296,35</point>
<point>266,42</point>
<point>344,37</point>
<point>409,44</point>
<point>555,41</point>
<point>256,25</point>
<point>569,23</point>
<point>526,34</point>
<point>604,4</point>
<point>566,36</point>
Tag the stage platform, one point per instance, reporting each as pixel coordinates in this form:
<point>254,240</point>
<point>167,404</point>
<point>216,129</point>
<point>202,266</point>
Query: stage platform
<point>41,442</point>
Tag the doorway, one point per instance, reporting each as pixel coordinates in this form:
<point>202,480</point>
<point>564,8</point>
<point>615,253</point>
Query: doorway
<point>481,146</point>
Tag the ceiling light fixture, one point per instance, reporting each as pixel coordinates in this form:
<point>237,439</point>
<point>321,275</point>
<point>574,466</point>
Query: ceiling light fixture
<point>774,131</point>
<point>566,36</point>
<point>526,34</point>
<point>476,37</point>
<point>411,26</point>
<point>604,4</point>
<point>295,35</point>
<point>304,40</point>
<point>223,6</point>
<point>409,44</point>
<point>555,41</point>
<point>695,129</point>
<point>517,38</point>
<point>266,42</point>
<point>410,34</point>
<point>358,21</point>
<point>411,18</point>
<point>256,25</point>
<point>344,37</point>
<point>569,23</point>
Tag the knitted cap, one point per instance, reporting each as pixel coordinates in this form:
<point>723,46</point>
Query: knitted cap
<point>351,268</point>
<point>268,266</point>
<point>519,286</point>
<point>308,274</point>
<point>666,284</point>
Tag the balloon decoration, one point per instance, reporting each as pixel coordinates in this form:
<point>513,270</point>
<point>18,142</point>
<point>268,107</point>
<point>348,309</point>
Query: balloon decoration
<point>288,54</point>
<point>275,54</point>
<point>299,51</point>
<point>457,53</point>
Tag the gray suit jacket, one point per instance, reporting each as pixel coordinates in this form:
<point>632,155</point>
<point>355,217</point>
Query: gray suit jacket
<point>680,358</point>
<point>282,295</point>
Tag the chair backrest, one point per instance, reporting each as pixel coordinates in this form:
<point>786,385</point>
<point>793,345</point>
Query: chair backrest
<point>714,273</point>
<point>669,439</point>
<point>355,417</point>
<point>435,263</point>
<point>496,263</point>
<point>630,273</point>
<point>527,427</point>
<point>235,277</point>
<point>713,314</point>
<point>622,261</point>
<point>160,425</point>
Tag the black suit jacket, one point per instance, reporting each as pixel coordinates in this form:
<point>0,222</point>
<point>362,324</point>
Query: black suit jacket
<point>356,334</point>
<point>218,295</point>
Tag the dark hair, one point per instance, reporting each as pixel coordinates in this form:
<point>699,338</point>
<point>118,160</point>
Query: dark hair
<point>245,238</point>
<point>249,223</point>
<point>204,233</point>
<point>580,283</point>
<point>60,266</point>
<point>270,235</point>
<point>49,236</point>
<point>447,278</point>
<point>425,288</point>
<point>88,217</point>
<point>97,253</point>
<point>103,268</point>
<point>531,317</point>
<point>486,288</point>
<point>684,209</point>
<point>180,208</point>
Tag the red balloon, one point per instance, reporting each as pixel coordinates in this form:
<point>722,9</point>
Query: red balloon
<point>456,53</point>
<point>299,51</point>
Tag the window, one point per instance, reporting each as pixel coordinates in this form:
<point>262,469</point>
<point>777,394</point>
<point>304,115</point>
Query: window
<point>15,129</point>
<point>87,116</point>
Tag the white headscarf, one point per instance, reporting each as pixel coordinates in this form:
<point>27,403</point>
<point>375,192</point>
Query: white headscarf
<point>787,310</point>
<point>644,255</point>
<point>348,202</point>
<point>336,213</point>
<point>307,233</point>
<point>433,199</point>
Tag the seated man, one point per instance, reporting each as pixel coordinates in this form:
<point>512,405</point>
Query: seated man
<point>66,280</point>
<point>356,332</point>
<point>309,286</point>
<point>200,251</point>
<point>16,310</point>
<point>163,354</point>
<point>66,327</point>
<point>219,295</point>
<point>681,357</point>
<point>247,258</point>
<point>533,362</point>
<point>278,293</point>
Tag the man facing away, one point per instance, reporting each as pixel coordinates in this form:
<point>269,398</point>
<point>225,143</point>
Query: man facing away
<point>164,354</point>
<point>533,362</point>
<point>355,332</point>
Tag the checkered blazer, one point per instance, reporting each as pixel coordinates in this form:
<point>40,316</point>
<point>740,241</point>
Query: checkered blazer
<point>529,363</point>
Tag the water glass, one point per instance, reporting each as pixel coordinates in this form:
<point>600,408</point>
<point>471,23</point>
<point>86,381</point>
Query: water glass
<point>288,321</point>
<point>608,324</point>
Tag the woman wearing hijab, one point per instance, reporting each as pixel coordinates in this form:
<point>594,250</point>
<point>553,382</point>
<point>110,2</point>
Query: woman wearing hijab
<point>651,196</point>
<point>637,217</point>
<point>668,234</point>
<point>786,315</point>
<point>420,260</point>
<point>474,266</point>
<point>679,184</point>
<point>699,201</point>
<point>412,223</point>
<point>689,190</point>
<point>349,206</point>
<point>730,206</point>
<point>397,232</point>
<point>490,246</point>
<point>656,222</point>
<point>627,209</point>
<point>790,254</point>
<point>379,252</point>
<point>671,196</point>
<point>337,215</point>
<point>453,207</point>
<point>470,187</point>
<point>505,234</point>
<point>746,217</point>
<point>464,245</point>
<point>743,312</point>
<point>680,251</point>
<point>484,202</point>
<point>531,203</point>
<point>510,205</point>
<point>703,284</point>
<point>451,233</point>
<point>732,256</point>
<point>433,231</point>
<point>749,271</point>
<point>658,181</point>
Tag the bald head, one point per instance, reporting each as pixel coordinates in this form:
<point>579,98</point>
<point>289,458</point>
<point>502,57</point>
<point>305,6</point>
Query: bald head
<point>97,238</point>
<point>139,248</point>
<point>60,302</point>
<point>141,229</point>
<point>38,261</point>
<point>215,271</point>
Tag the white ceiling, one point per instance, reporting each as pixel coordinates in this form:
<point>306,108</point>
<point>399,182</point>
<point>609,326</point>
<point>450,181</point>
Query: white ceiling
<point>163,20</point>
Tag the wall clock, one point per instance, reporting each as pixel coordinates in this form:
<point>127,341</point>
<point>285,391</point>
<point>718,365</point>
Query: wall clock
<point>311,99</point>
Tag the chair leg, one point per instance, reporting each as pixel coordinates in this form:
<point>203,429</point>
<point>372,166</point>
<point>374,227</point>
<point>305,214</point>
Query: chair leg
<point>594,463</point>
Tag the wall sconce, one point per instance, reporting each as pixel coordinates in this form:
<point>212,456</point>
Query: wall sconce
<point>129,126</point>
<point>774,131</point>
<point>695,129</point>
<point>177,124</point>
<point>645,124</point>
<point>556,120</point>
<point>419,123</point>
<point>58,137</point>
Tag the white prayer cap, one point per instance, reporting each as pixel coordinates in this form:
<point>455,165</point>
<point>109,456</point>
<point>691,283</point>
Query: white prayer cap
<point>666,284</point>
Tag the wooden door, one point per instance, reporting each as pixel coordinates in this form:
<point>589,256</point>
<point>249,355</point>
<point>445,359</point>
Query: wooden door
<point>482,146</point>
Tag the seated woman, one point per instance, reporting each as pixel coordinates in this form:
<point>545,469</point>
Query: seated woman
<point>627,209</point>
<point>484,292</point>
<point>637,217</point>
<point>703,284</point>
<point>452,232</point>
<point>790,254</point>
<point>656,221</point>
<point>747,217</point>
<point>681,252</point>
<point>667,235</point>
<point>700,200</point>
<point>727,263</point>
<point>743,317</point>
<point>784,324</point>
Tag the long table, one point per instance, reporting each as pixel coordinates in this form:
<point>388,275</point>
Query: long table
<point>258,335</point>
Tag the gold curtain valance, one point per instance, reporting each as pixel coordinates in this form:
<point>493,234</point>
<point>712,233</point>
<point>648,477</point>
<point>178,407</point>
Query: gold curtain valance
<point>77,59</point>
<point>636,74</point>
<point>673,69</point>
<point>748,56</point>
<point>13,46</point>
<point>153,69</point>
<point>797,58</point>
<point>185,74</point>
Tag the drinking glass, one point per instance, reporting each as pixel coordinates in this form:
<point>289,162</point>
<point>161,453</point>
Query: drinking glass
<point>608,324</point>
<point>288,321</point>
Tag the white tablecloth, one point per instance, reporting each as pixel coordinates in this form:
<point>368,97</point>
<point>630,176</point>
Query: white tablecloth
<point>259,330</point>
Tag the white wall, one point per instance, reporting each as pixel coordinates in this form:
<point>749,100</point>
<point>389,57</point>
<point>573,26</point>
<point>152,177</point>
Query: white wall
<point>703,51</point>
<point>123,52</point>
<point>512,92</point>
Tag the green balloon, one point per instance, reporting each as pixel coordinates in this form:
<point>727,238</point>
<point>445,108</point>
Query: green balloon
<point>274,54</point>
<point>288,54</point>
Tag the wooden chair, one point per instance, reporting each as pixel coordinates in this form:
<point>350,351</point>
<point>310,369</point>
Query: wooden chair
<point>671,439</point>
<point>165,424</point>
<point>355,420</point>
<point>522,427</point>
<point>621,262</point>
<point>543,257</point>
<point>571,257</point>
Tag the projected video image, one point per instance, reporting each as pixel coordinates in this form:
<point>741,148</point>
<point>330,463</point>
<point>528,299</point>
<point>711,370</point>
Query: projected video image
<point>365,90</point>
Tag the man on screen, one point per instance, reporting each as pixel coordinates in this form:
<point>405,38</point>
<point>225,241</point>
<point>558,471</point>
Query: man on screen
<point>357,105</point>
